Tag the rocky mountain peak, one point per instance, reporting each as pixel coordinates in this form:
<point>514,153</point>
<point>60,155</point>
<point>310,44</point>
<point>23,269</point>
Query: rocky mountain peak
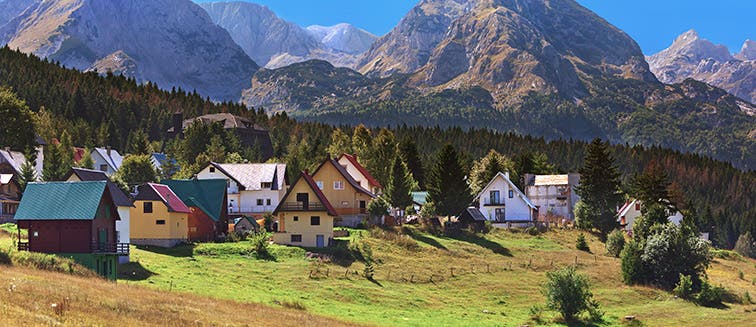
<point>748,51</point>
<point>343,37</point>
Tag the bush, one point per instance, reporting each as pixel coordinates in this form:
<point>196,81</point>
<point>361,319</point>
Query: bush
<point>746,246</point>
<point>5,258</point>
<point>569,293</point>
<point>684,288</point>
<point>615,242</point>
<point>633,270</point>
<point>260,246</point>
<point>710,296</point>
<point>581,244</point>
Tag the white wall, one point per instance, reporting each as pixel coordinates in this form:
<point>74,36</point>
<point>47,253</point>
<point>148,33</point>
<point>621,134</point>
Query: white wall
<point>122,227</point>
<point>515,208</point>
<point>355,173</point>
<point>545,197</point>
<point>99,161</point>
<point>244,201</point>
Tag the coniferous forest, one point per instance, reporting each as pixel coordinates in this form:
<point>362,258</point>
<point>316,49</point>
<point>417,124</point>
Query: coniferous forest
<point>94,110</point>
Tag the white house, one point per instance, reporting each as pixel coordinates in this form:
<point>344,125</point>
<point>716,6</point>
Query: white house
<point>632,209</point>
<point>121,200</point>
<point>106,160</point>
<point>360,173</point>
<point>253,189</point>
<point>502,201</point>
<point>554,195</point>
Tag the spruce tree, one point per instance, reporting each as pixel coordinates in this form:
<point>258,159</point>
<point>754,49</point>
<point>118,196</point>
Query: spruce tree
<point>86,162</point>
<point>362,142</point>
<point>28,174</point>
<point>410,155</point>
<point>400,184</point>
<point>137,143</point>
<point>55,167</point>
<point>447,183</point>
<point>651,187</point>
<point>341,143</point>
<point>486,168</point>
<point>383,152</point>
<point>599,187</point>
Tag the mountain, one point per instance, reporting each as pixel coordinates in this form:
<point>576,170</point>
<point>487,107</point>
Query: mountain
<point>690,56</point>
<point>172,43</point>
<point>9,9</point>
<point>274,42</point>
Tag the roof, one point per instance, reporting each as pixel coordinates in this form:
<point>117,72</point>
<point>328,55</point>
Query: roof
<point>13,158</point>
<point>208,195</point>
<point>250,176</point>
<point>163,193</point>
<point>541,180</point>
<point>120,198</point>
<point>61,201</point>
<point>346,176</point>
<point>315,189</point>
<point>511,186</point>
<point>248,219</point>
<point>420,198</point>
<point>229,121</point>
<point>626,207</point>
<point>114,160</point>
<point>370,179</point>
<point>473,213</point>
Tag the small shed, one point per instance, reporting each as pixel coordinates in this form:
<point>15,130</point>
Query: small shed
<point>472,218</point>
<point>243,225</point>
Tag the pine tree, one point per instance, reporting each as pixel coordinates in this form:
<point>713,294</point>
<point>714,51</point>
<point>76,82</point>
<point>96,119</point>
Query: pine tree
<point>28,174</point>
<point>651,187</point>
<point>400,184</point>
<point>362,143</point>
<point>486,168</point>
<point>410,155</point>
<point>341,143</point>
<point>447,184</point>
<point>215,150</point>
<point>382,154</point>
<point>137,143</point>
<point>599,187</point>
<point>54,168</point>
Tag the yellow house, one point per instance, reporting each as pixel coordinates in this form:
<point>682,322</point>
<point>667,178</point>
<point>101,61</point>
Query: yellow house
<point>347,196</point>
<point>305,216</point>
<point>159,217</point>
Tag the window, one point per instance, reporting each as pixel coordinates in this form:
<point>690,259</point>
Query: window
<point>296,218</point>
<point>320,184</point>
<point>344,203</point>
<point>267,202</point>
<point>266,185</point>
<point>212,169</point>
<point>494,197</point>
<point>637,206</point>
<point>511,194</point>
<point>147,207</point>
<point>259,202</point>
<point>314,221</point>
<point>296,238</point>
<point>104,168</point>
<point>160,222</point>
<point>338,185</point>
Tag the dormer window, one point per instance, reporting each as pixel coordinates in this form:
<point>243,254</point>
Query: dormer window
<point>266,185</point>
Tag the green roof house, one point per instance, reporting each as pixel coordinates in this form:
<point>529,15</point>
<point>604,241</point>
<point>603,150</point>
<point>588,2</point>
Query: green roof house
<point>207,200</point>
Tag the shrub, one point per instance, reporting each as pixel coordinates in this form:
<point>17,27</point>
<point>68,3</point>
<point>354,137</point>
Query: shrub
<point>569,293</point>
<point>5,258</point>
<point>581,244</point>
<point>633,270</point>
<point>746,246</point>
<point>684,288</point>
<point>615,241</point>
<point>260,246</point>
<point>369,270</point>
<point>710,296</point>
<point>747,298</point>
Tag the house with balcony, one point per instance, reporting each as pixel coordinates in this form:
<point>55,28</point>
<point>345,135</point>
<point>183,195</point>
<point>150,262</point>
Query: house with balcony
<point>554,195</point>
<point>305,216</point>
<point>252,189</point>
<point>346,194</point>
<point>120,198</point>
<point>360,174</point>
<point>72,219</point>
<point>206,199</point>
<point>159,217</point>
<point>502,202</point>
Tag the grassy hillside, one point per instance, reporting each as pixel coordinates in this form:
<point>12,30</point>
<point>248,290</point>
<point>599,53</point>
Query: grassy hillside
<point>496,280</point>
<point>28,296</point>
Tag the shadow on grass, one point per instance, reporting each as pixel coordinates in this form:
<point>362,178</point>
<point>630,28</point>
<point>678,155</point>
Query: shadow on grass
<point>180,251</point>
<point>482,242</point>
<point>372,280</point>
<point>134,271</point>
<point>425,239</point>
<point>339,253</point>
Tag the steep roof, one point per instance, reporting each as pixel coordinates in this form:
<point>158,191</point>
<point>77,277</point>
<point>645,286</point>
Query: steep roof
<point>206,194</point>
<point>511,185</point>
<point>13,158</point>
<point>61,201</point>
<point>626,207</point>
<point>471,213</point>
<point>370,179</point>
<point>250,176</point>
<point>163,193</point>
<point>88,175</point>
<point>346,175</point>
<point>315,189</point>
<point>114,160</point>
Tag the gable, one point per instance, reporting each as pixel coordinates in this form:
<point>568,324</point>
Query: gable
<point>331,171</point>
<point>305,184</point>
<point>209,195</point>
<point>502,178</point>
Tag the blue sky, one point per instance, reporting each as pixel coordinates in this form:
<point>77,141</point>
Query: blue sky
<point>652,23</point>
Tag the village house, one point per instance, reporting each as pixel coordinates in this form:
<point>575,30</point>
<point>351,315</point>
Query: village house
<point>501,201</point>
<point>159,217</point>
<point>10,197</point>
<point>554,195</point>
<point>120,198</point>
<point>249,134</point>
<point>305,217</point>
<point>253,189</point>
<point>161,159</point>
<point>74,220</point>
<point>106,160</point>
<point>206,198</point>
<point>245,225</point>
<point>346,195</point>
<point>360,173</point>
<point>631,210</point>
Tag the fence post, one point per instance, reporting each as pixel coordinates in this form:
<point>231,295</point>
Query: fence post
<point>389,274</point>
<point>452,271</point>
<point>412,279</point>
<point>576,260</point>
<point>345,273</point>
<point>488,268</point>
<point>328,272</point>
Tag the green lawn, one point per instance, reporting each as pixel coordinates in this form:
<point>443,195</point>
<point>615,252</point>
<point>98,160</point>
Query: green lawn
<point>496,280</point>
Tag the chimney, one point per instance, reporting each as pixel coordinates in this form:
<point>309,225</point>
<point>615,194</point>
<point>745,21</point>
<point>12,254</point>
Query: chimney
<point>108,149</point>
<point>506,173</point>
<point>178,124</point>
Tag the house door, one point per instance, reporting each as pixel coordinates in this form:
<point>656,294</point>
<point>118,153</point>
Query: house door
<point>103,238</point>
<point>304,198</point>
<point>501,214</point>
<point>319,241</point>
<point>363,206</point>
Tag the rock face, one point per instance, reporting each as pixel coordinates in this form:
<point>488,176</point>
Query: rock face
<point>168,42</point>
<point>274,42</point>
<point>10,9</point>
<point>693,57</point>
